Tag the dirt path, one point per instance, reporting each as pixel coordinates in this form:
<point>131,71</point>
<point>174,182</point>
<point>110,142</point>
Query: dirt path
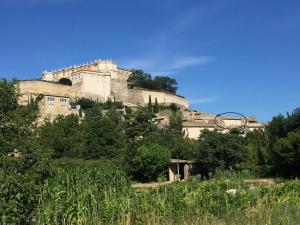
<point>151,185</point>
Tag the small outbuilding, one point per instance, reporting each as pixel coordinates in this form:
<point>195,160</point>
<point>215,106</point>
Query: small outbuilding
<point>180,169</point>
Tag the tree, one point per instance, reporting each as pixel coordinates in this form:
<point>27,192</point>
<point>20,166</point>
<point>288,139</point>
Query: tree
<point>103,138</point>
<point>85,103</point>
<point>138,78</point>
<point>139,124</point>
<point>165,83</point>
<point>156,107</point>
<point>150,109</point>
<point>257,145</point>
<point>286,155</point>
<point>21,178</point>
<point>17,122</point>
<point>276,128</point>
<point>280,126</point>
<point>21,182</point>
<point>8,96</point>
<point>149,162</point>
<point>64,136</point>
<point>175,124</point>
<point>220,151</point>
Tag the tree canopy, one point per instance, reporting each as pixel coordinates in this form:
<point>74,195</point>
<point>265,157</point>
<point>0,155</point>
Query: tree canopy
<point>220,151</point>
<point>139,78</point>
<point>20,177</point>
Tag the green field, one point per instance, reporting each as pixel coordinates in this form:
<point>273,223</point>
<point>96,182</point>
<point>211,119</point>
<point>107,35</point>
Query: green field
<point>94,194</point>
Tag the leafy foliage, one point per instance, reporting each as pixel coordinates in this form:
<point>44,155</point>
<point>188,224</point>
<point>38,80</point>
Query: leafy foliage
<point>259,154</point>
<point>149,162</point>
<point>216,150</point>
<point>21,177</point>
<point>103,138</point>
<point>286,152</point>
<point>64,135</point>
<point>139,78</point>
<point>282,133</point>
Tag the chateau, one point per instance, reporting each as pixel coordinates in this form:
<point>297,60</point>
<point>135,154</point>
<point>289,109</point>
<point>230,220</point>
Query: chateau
<point>102,80</point>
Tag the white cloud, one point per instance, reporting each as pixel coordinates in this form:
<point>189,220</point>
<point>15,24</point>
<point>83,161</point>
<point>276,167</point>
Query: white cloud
<point>211,99</point>
<point>186,61</point>
<point>163,64</point>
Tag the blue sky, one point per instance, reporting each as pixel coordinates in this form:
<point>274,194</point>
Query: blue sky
<point>227,55</point>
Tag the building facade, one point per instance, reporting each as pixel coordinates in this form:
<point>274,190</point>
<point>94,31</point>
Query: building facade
<point>102,80</point>
<point>99,80</point>
<point>194,123</point>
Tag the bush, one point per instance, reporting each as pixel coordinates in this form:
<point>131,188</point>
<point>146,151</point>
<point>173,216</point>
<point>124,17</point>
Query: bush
<point>220,151</point>
<point>286,153</point>
<point>149,162</point>
<point>21,181</point>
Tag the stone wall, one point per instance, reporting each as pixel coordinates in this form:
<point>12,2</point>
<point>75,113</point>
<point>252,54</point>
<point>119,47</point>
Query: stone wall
<point>140,96</point>
<point>32,88</point>
<point>162,97</point>
<point>96,86</point>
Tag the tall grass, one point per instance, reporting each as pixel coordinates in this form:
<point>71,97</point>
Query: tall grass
<point>100,195</point>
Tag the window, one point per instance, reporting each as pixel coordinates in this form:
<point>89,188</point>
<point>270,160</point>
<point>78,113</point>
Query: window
<point>63,100</point>
<point>51,99</point>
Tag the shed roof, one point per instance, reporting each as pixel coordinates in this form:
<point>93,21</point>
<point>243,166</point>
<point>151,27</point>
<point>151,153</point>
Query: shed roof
<point>182,161</point>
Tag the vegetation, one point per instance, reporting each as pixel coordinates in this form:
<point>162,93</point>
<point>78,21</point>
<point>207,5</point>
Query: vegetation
<point>139,78</point>
<point>98,195</point>
<point>78,170</point>
<point>222,151</point>
<point>20,178</point>
<point>149,162</point>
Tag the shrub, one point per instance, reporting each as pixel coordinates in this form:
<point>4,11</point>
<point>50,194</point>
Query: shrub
<point>149,162</point>
<point>286,153</point>
<point>223,151</point>
<point>21,179</point>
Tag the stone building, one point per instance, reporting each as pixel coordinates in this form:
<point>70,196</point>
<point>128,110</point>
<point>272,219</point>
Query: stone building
<point>194,123</point>
<point>99,80</point>
<point>102,80</point>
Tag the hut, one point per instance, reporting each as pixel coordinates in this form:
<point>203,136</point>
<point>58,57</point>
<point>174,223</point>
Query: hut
<point>180,169</point>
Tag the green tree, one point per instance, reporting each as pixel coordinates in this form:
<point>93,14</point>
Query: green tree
<point>21,182</point>
<point>150,108</point>
<point>149,162</point>
<point>220,151</point>
<point>103,138</point>
<point>286,155</point>
<point>280,126</point>
<point>165,83</point>
<point>8,96</point>
<point>139,124</point>
<point>22,177</point>
<point>257,145</point>
<point>139,78</point>
<point>17,122</point>
<point>175,124</point>
<point>156,107</point>
<point>63,135</point>
<point>85,103</point>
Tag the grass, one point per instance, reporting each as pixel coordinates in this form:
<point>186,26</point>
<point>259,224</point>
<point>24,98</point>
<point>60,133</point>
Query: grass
<point>103,195</point>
